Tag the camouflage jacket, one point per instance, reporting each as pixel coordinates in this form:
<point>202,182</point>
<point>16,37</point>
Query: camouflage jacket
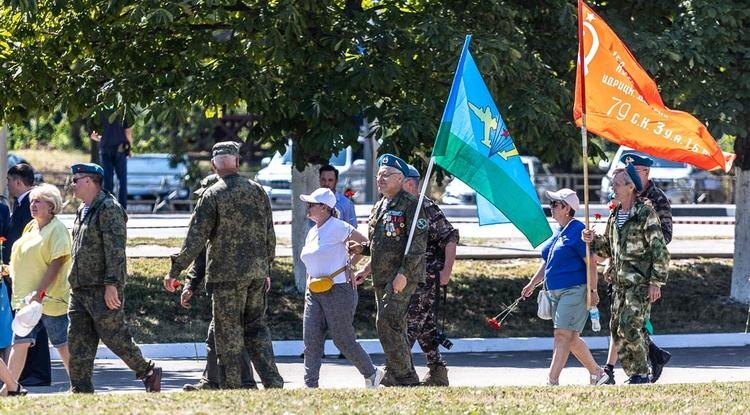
<point>99,239</point>
<point>233,221</point>
<point>388,232</point>
<point>638,251</point>
<point>440,233</point>
<point>661,205</point>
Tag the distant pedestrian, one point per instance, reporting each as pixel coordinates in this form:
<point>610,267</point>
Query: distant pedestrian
<point>442,239</point>
<point>331,295</point>
<point>234,218</point>
<point>115,143</point>
<point>634,240</point>
<point>395,273</point>
<point>329,178</point>
<point>97,285</point>
<point>564,274</point>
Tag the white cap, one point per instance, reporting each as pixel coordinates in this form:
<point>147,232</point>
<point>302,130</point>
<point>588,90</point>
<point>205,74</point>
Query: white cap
<point>565,195</point>
<point>322,195</point>
<point>27,318</point>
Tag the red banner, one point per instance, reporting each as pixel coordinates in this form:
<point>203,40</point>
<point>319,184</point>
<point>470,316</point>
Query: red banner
<point>623,103</point>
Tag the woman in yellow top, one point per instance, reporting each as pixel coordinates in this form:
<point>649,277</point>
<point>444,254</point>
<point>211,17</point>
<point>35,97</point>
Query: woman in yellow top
<point>39,262</point>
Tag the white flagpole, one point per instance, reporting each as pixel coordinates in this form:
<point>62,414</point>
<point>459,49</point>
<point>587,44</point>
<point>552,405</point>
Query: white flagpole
<point>419,205</point>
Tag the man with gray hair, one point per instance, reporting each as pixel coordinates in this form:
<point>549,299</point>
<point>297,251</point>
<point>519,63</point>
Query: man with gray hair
<point>233,221</point>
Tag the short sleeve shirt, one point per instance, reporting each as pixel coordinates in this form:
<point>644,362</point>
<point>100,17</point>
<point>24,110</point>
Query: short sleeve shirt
<point>32,253</point>
<point>325,249</point>
<point>565,255</point>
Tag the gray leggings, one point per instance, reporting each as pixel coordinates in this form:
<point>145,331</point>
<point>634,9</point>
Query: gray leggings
<point>332,311</point>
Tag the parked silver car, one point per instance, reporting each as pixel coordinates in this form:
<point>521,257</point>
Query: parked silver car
<point>459,193</point>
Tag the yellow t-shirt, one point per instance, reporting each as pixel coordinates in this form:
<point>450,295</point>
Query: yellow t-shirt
<point>31,255</point>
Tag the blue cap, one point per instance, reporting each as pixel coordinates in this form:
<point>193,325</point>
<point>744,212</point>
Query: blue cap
<point>636,159</point>
<point>87,168</point>
<point>392,161</point>
<point>630,169</point>
<point>413,173</point>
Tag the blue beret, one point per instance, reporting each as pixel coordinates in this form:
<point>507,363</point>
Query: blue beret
<point>392,161</point>
<point>413,172</point>
<point>636,159</point>
<point>87,168</point>
<point>630,169</point>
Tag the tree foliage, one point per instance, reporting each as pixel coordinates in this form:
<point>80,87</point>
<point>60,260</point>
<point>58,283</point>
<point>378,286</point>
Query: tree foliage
<point>312,71</point>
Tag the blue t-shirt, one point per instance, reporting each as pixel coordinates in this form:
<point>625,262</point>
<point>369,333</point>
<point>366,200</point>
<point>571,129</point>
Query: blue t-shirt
<point>566,265</point>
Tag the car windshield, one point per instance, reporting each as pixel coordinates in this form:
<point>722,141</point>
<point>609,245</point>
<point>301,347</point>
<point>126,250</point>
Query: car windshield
<point>336,160</point>
<point>154,165</point>
<point>660,162</point>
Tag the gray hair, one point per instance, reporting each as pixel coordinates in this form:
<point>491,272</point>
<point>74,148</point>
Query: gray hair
<point>50,194</point>
<point>627,178</point>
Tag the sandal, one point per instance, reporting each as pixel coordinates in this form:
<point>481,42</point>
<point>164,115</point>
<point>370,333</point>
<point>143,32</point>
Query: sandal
<point>20,391</point>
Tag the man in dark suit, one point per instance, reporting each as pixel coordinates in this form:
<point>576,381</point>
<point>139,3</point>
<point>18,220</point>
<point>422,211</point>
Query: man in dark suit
<point>37,371</point>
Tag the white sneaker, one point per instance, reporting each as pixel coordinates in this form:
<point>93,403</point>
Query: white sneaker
<point>374,380</point>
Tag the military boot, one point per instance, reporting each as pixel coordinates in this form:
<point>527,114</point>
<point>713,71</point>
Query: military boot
<point>437,376</point>
<point>658,358</point>
<point>200,386</point>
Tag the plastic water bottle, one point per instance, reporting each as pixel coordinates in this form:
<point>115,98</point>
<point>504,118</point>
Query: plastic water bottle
<point>594,315</point>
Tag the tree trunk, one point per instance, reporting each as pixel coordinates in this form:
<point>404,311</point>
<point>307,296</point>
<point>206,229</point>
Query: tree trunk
<point>302,183</point>
<point>741,269</point>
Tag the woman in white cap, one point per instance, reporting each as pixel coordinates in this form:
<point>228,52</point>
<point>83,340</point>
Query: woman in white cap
<point>331,295</point>
<point>564,275</point>
<point>39,265</point>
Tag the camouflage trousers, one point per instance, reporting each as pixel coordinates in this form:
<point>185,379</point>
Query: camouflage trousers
<point>630,306</point>
<point>390,322</point>
<point>211,372</point>
<point>239,316</point>
<point>91,321</point>
<point>421,322</point>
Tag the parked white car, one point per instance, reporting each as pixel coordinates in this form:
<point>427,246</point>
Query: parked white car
<point>459,193</point>
<point>276,175</point>
<point>674,178</point>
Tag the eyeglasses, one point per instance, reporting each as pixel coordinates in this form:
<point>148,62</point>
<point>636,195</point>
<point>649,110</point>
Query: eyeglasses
<point>76,179</point>
<point>385,175</point>
<point>555,203</point>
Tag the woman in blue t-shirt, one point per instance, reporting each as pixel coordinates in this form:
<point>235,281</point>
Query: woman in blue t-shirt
<point>564,272</point>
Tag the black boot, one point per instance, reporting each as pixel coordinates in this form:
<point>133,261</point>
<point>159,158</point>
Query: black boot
<point>658,358</point>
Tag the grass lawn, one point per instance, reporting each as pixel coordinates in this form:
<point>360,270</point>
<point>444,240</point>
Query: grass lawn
<point>714,398</point>
<point>696,299</point>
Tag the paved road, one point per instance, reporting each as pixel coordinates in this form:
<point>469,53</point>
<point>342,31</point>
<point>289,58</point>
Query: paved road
<point>469,369</point>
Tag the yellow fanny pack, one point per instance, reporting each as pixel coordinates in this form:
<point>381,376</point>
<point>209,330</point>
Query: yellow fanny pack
<point>323,283</point>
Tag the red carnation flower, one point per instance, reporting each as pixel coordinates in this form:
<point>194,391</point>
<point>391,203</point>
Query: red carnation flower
<point>494,324</point>
<point>597,216</point>
<point>349,193</point>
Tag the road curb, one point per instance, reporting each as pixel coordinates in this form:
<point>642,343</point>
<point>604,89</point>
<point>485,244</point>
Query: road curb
<point>465,345</point>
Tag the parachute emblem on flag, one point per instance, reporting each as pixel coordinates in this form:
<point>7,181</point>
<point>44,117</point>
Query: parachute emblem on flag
<point>496,136</point>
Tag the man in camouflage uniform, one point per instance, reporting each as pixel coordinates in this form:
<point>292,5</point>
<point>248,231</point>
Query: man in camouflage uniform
<point>634,241</point>
<point>657,357</point>
<point>193,282</point>
<point>97,284</point>
<point>395,275</point>
<point>233,221</point>
<point>442,239</point>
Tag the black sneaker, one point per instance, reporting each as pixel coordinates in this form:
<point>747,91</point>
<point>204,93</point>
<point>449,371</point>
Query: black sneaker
<point>611,374</point>
<point>638,379</point>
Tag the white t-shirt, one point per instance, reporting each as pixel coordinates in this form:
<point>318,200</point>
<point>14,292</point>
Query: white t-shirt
<point>325,250</point>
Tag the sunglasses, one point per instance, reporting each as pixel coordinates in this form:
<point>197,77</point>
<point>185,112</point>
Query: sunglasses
<point>76,179</point>
<point>556,203</point>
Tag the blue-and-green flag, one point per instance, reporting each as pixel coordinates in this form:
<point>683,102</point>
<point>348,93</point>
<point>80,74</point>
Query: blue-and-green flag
<point>474,145</point>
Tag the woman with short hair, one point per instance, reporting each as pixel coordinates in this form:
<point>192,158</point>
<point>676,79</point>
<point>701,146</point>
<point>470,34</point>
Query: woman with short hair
<point>40,261</point>
<point>331,295</point>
